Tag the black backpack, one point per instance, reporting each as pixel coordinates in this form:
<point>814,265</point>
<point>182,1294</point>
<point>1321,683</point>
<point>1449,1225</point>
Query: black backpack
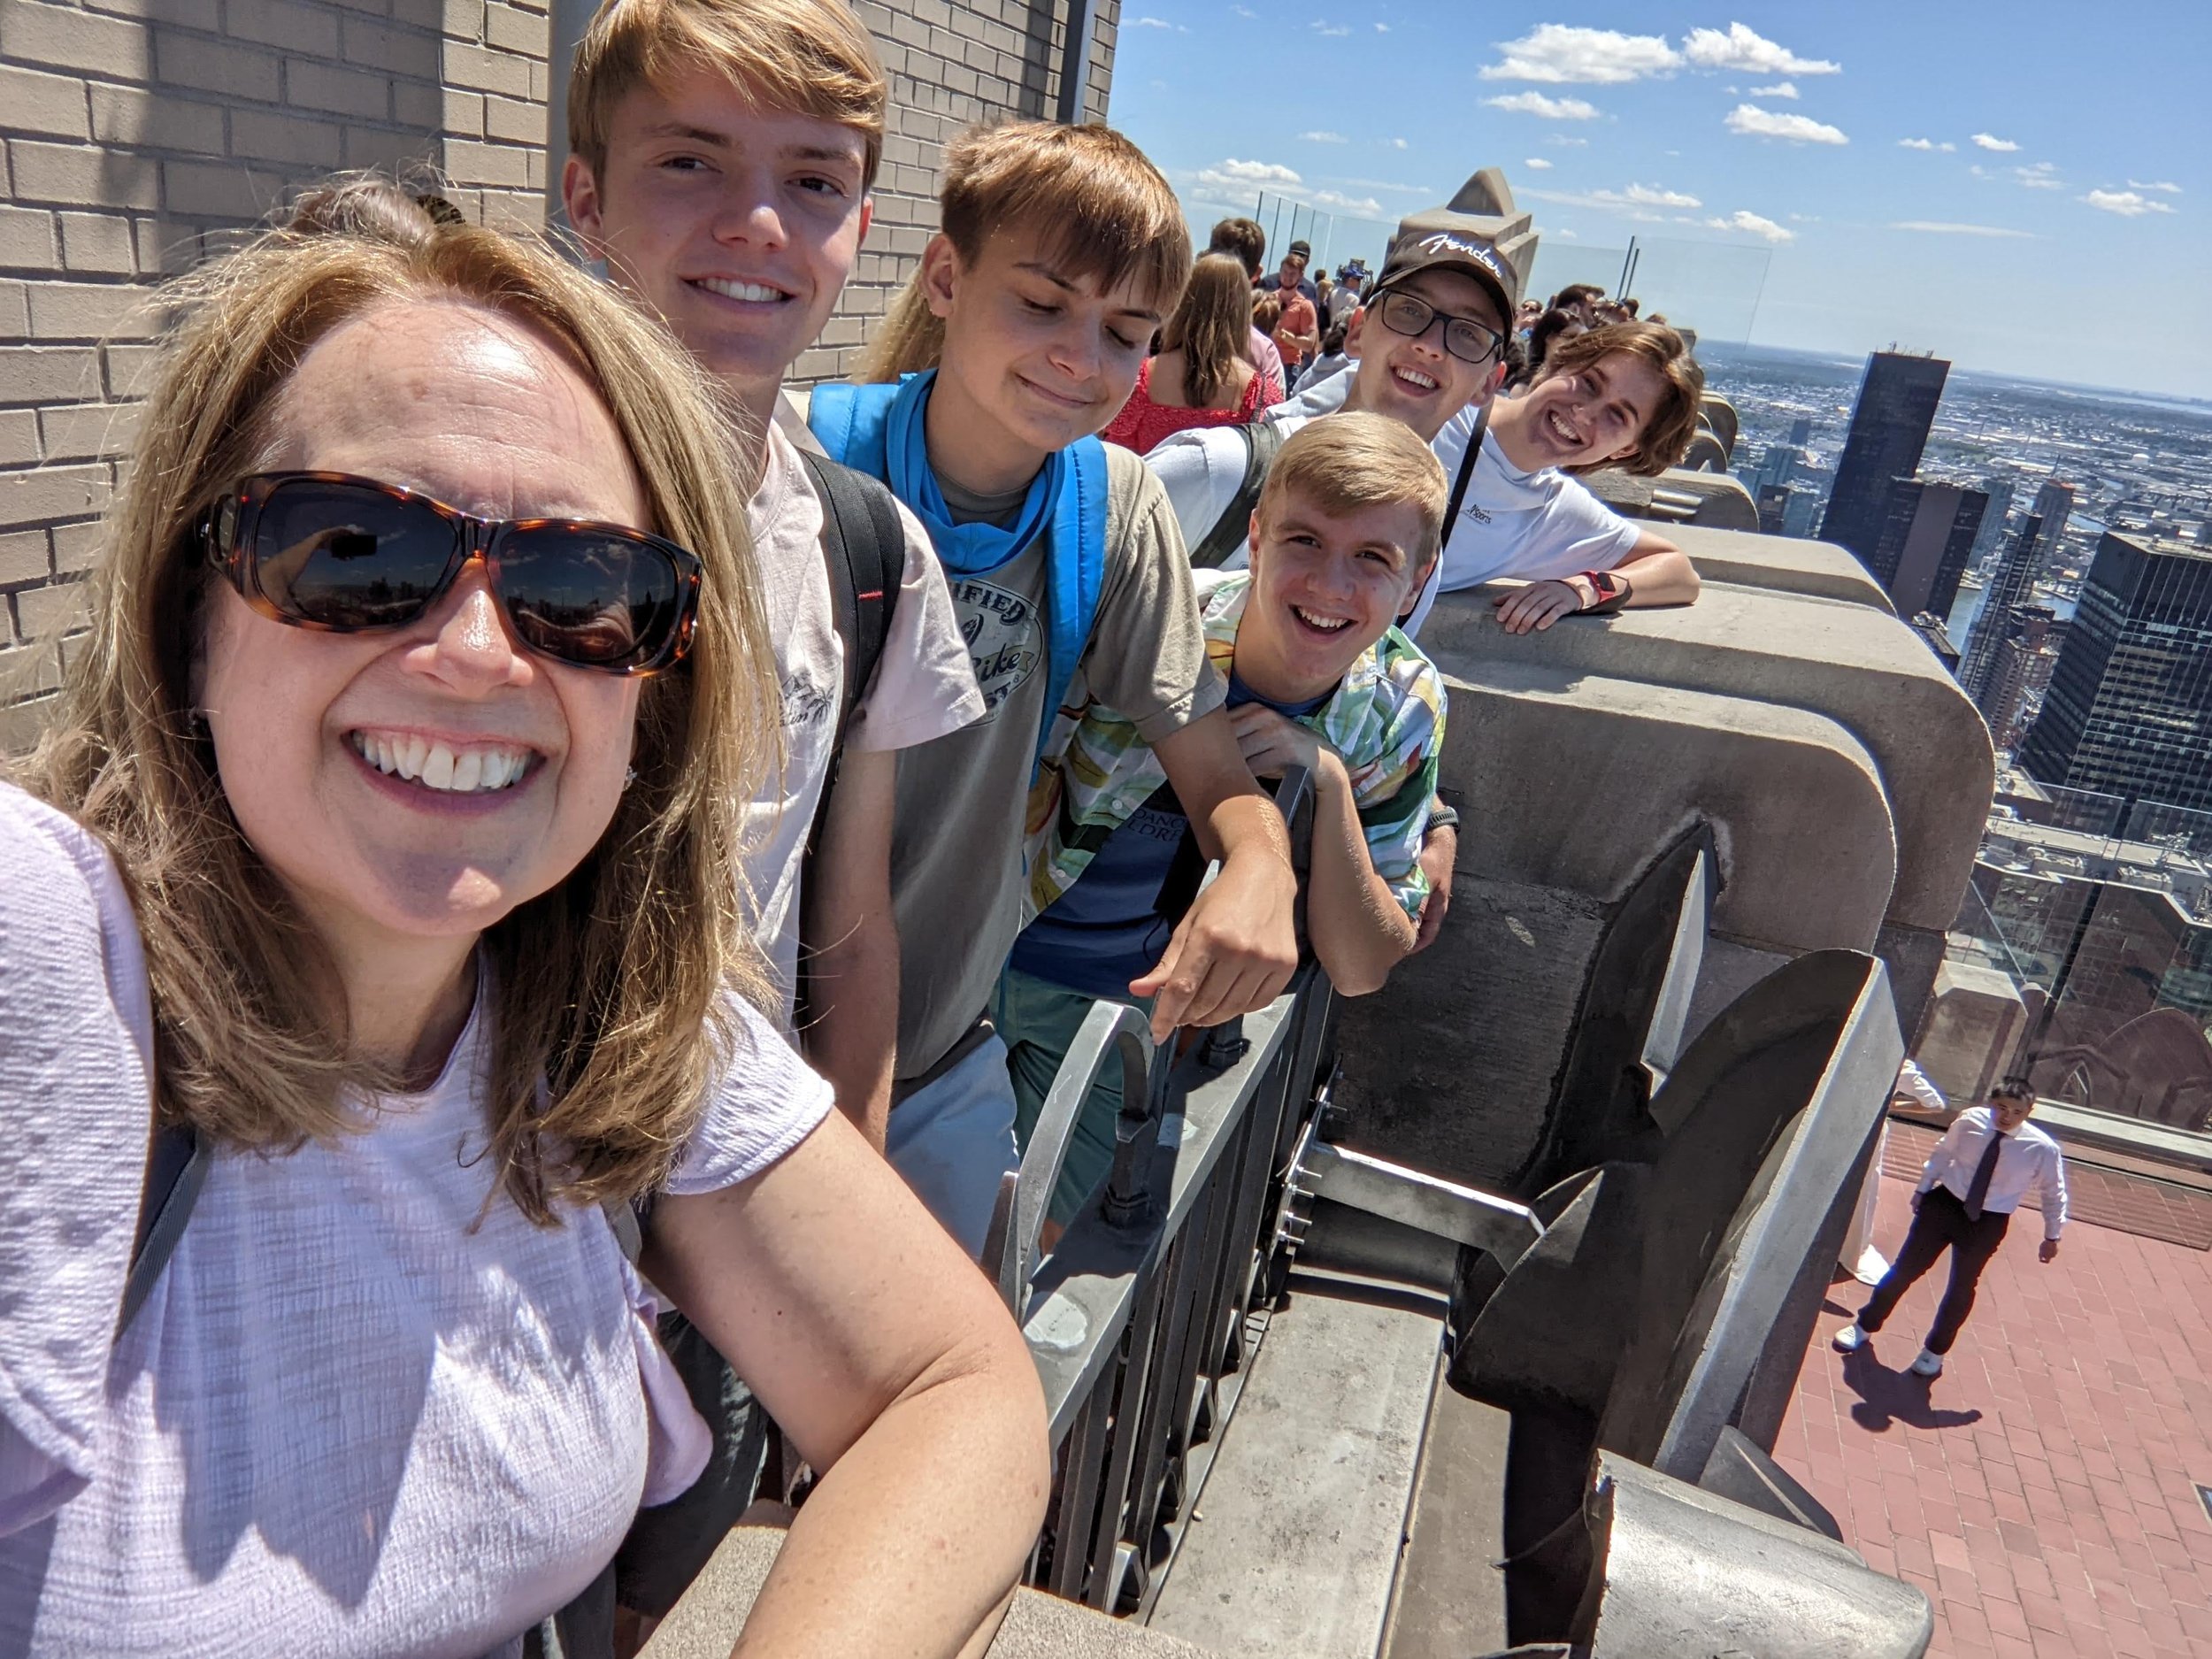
<point>1229,532</point>
<point>864,545</point>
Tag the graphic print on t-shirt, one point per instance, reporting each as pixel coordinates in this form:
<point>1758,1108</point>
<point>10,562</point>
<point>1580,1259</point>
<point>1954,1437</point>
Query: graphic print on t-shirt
<point>1004,641</point>
<point>807,702</point>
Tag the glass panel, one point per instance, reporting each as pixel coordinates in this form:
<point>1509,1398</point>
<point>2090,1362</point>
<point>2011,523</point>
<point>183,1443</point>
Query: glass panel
<point>2100,915</point>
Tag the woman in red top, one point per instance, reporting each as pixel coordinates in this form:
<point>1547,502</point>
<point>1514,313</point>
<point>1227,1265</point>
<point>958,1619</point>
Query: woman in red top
<point>1201,377</point>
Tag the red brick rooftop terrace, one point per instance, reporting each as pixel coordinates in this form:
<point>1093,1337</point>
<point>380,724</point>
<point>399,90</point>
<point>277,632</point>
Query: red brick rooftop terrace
<point>2044,1490</point>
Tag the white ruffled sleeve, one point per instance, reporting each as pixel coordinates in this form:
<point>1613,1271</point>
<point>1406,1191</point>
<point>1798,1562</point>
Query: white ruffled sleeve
<point>766,1101</point>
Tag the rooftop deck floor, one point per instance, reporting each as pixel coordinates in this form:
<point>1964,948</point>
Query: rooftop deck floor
<point>2044,1491</point>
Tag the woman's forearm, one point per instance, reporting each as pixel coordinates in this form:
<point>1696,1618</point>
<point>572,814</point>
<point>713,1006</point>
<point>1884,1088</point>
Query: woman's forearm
<point>912,1540</point>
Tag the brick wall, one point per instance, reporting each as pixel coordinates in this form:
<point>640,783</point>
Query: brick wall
<point>138,136</point>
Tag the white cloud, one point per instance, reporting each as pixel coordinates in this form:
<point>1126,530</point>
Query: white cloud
<point>1924,144</point>
<point>1397,144</point>
<point>1779,89</point>
<point>1645,197</point>
<point>1259,171</point>
<point>1568,143</point>
<point>1742,48</point>
<point>2003,146</point>
<point>1323,27</point>
<point>2042,176</point>
<point>1558,53</point>
<point>1244,11</point>
<point>1754,122</point>
<point>1754,223</point>
<point>1636,201</point>
<point>1939,228</point>
<point>2169,188</point>
<point>1382,28</point>
<point>1550,109</point>
<point>1342,204</point>
<point>2127,203</point>
<point>1325,138</point>
<point>1154,23</point>
<point>1536,164</point>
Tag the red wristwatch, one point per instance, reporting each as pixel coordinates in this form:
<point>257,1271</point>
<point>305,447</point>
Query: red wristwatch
<point>1611,591</point>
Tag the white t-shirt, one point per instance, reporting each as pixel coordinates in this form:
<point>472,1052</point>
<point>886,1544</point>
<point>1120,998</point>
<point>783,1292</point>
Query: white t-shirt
<point>924,686</point>
<point>362,1412</point>
<point>1525,525</point>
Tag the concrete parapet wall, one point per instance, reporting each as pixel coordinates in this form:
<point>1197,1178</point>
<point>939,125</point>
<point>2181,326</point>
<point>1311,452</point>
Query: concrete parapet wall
<point>1576,780</point>
<point>1679,495</point>
<point>705,1624</point>
<point>1782,564</point>
<point>1974,1023</point>
<point>1860,669</point>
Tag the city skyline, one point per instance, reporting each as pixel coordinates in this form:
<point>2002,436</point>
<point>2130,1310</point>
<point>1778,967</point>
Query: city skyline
<point>2062,176</point>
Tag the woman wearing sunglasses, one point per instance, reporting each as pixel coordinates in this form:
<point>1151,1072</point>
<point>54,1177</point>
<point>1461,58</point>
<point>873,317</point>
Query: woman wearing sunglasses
<point>382,842</point>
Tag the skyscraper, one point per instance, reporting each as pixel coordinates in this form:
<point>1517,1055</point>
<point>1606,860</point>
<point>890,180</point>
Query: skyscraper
<point>1993,531</point>
<point>2014,584</point>
<point>1889,428</point>
<point>2053,502</point>
<point>1921,544</point>
<point>2129,710</point>
<point>2021,664</point>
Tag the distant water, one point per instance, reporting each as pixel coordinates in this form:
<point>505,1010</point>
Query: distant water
<point>1968,606</point>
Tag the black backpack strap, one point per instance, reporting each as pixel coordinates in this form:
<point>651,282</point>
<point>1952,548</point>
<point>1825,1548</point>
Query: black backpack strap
<point>1466,471</point>
<point>176,1169</point>
<point>1234,526</point>
<point>864,546</point>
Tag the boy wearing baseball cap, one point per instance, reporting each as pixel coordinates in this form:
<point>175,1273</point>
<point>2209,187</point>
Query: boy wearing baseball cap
<point>1427,341</point>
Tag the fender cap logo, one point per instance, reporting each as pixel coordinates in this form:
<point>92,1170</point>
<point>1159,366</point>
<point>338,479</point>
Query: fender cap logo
<point>1444,241</point>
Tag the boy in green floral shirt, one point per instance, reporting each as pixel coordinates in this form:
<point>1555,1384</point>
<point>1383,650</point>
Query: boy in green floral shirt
<point>1319,677</point>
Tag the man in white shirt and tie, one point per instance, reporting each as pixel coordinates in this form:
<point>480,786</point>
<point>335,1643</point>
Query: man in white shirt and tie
<point>1986,1164</point>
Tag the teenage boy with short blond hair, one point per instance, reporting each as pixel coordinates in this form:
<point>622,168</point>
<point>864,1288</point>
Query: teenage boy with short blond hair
<point>1019,338</point>
<point>722,155</point>
<point>1318,677</point>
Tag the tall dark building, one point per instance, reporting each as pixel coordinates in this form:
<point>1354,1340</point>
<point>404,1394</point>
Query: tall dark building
<point>2014,584</point>
<point>1889,428</point>
<point>2129,710</point>
<point>2054,503</point>
<point>1923,542</point>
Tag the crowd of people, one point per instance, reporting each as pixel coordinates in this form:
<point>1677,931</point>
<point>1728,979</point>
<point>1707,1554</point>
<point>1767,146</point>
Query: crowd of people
<point>563,869</point>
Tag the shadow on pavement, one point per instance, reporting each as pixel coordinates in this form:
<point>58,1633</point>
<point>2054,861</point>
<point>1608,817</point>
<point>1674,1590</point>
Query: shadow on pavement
<point>1887,1397</point>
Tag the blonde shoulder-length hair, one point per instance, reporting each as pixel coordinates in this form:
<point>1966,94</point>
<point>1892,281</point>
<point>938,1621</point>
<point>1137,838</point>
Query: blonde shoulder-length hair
<point>606,1012</point>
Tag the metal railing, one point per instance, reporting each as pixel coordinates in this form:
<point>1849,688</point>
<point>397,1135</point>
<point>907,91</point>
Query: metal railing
<point>1144,1318</point>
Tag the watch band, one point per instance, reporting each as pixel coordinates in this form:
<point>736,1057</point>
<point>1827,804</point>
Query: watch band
<point>1612,593</point>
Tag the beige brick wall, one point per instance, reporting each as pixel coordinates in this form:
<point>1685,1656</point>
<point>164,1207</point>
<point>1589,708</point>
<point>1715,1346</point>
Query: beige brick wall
<point>138,136</point>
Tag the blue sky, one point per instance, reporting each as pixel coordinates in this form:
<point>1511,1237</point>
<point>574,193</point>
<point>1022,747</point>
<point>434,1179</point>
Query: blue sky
<point>2024,187</point>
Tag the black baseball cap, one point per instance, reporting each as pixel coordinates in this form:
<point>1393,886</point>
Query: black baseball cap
<point>1479,231</point>
<point>1303,249</point>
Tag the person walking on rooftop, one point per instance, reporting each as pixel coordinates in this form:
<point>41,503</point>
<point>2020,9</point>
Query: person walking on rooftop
<point>1986,1163</point>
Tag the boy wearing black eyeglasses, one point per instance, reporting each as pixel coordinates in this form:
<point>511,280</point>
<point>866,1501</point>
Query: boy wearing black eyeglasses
<point>1427,341</point>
